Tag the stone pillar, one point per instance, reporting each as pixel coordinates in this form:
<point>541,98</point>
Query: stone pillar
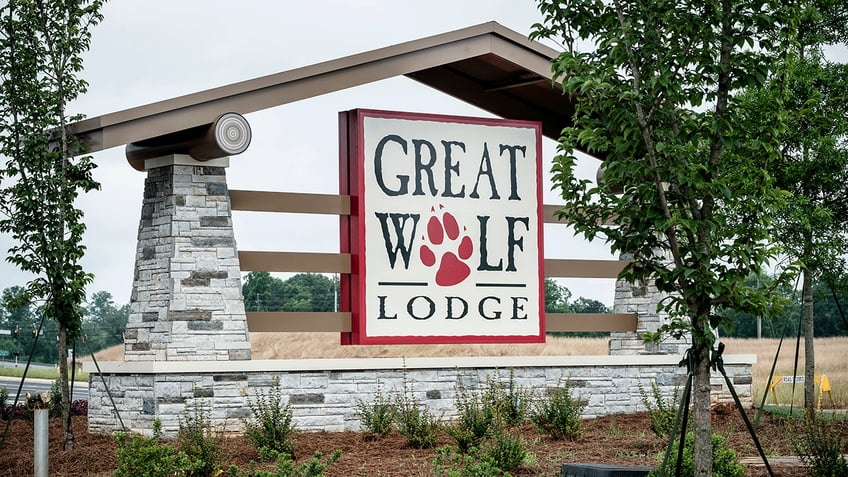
<point>186,301</point>
<point>642,299</point>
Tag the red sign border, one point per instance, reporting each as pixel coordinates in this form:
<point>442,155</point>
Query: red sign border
<point>352,183</point>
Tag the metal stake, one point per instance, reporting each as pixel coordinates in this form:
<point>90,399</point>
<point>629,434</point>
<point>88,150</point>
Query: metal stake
<point>41,438</point>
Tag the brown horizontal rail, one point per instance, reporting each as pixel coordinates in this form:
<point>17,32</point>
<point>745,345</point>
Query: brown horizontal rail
<point>308,203</point>
<point>293,202</point>
<point>590,322</point>
<point>294,262</point>
<point>578,268</point>
<point>340,263</point>
<point>294,322</point>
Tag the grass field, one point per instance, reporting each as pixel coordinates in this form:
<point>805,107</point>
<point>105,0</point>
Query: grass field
<point>830,356</point>
<point>831,361</point>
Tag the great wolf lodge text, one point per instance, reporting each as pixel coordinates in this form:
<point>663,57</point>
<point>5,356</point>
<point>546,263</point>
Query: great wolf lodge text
<point>446,231</point>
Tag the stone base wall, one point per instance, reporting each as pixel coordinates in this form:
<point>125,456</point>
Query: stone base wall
<point>323,393</point>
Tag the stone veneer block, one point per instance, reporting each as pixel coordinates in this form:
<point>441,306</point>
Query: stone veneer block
<point>642,298</point>
<point>186,301</point>
<point>323,393</point>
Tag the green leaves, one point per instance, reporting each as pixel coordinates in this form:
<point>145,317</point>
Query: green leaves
<point>686,189</point>
<point>40,45</point>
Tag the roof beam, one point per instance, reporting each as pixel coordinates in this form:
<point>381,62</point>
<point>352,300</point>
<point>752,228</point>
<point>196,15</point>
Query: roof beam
<point>156,119</point>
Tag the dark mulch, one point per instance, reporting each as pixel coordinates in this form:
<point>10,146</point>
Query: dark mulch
<point>621,439</point>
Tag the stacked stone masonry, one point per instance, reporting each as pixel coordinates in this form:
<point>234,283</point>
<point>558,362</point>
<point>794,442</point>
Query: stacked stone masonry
<point>186,300</point>
<point>642,299</point>
<point>326,399</point>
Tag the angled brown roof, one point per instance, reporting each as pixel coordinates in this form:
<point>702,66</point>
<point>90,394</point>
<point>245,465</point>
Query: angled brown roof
<point>488,66</point>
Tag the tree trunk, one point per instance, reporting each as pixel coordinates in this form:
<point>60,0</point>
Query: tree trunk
<point>809,348</point>
<point>703,450</point>
<point>65,405</point>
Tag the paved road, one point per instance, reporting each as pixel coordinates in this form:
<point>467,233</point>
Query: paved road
<point>32,385</point>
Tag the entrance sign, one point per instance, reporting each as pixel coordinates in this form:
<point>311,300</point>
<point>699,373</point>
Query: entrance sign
<point>445,228</point>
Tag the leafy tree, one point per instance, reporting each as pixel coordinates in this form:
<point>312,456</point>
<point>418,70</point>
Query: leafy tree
<point>104,321</point>
<point>685,187</point>
<point>310,292</point>
<point>743,324</point>
<point>588,305</point>
<point>260,291</point>
<point>301,292</point>
<point>41,46</point>
<point>829,319</point>
<point>557,301</point>
<point>20,320</point>
<point>814,164</point>
<point>556,297</point>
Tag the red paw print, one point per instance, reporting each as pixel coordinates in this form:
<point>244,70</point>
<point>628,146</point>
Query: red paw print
<point>452,269</point>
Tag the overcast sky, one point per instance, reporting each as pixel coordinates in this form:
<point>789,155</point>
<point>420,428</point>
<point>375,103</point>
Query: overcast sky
<point>150,50</point>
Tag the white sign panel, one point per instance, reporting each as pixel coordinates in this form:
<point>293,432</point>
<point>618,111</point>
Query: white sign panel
<point>445,231</point>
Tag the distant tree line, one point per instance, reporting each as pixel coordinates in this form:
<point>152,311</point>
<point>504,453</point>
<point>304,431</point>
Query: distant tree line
<point>103,325</point>
<point>827,301</point>
<point>104,321</point>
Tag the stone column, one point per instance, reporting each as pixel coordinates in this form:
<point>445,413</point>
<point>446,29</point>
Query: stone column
<point>642,299</point>
<point>186,301</point>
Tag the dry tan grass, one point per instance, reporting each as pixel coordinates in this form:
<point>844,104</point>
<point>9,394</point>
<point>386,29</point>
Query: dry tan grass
<point>831,356</point>
<point>831,360</point>
<point>326,345</point>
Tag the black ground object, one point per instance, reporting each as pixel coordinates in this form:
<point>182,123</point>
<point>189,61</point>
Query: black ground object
<point>603,470</point>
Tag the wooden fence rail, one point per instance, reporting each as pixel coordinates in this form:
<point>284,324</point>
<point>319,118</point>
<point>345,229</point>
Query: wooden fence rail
<point>289,202</point>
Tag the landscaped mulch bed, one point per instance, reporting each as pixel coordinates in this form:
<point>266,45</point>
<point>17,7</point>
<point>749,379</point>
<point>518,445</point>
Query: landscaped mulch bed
<point>621,439</point>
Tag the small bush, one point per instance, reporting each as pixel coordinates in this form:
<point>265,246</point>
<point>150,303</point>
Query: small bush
<point>140,456</point>
<point>201,442</point>
<point>16,412</point>
<point>511,403</point>
<point>415,421</point>
<point>314,467</point>
<point>271,430</point>
<point>504,449</point>
<point>725,461</point>
<point>55,403</point>
<point>4,395</point>
<point>378,417</point>
<point>821,447</point>
<point>473,420</point>
<point>79,407</point>
<point>662,410</point>
<point>558,414</point>
<point>450,463</point>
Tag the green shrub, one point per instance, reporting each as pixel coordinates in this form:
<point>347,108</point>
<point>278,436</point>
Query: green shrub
<point>4,395</point>
<point>314,467</point>
<point>450,463</point>
<point>271,429</point>
<point>511,403</point>
<point>55,404</point>
<point>505,450</point>
<point>558,414</point>
<point>474,418</point>
<point>378,417</point>
<point>821,446</point>
<point>725,461</point>
<point>415,421</point>
<point>662,410</point>
<point>140,456</point>
<point>201,442</point>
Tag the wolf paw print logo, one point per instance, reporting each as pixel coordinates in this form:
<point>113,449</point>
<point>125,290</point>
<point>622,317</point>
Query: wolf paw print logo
<point>447,247</point>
